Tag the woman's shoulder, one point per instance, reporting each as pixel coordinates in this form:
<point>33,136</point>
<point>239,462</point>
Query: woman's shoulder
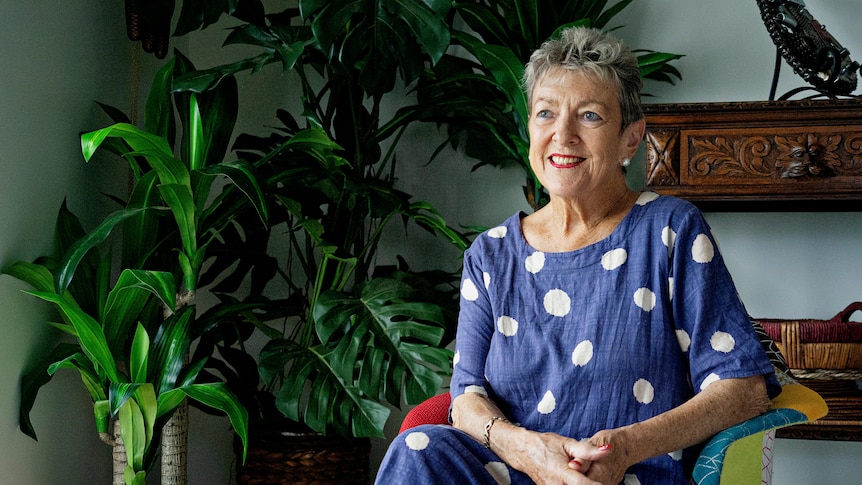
<point>507,233</point>
<point>666,208</point>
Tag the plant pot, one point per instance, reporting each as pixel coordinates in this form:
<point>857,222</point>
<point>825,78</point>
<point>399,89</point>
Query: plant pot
<point>287,457</point>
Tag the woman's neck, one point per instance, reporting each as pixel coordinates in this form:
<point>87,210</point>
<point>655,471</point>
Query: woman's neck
<point>566,225</point>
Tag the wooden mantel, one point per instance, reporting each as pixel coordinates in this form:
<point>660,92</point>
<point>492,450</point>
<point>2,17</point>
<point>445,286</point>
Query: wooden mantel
<point>769,155</point>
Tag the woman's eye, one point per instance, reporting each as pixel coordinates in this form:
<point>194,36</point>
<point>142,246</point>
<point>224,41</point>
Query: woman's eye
<point>590,116</point>
<point>543,113</point>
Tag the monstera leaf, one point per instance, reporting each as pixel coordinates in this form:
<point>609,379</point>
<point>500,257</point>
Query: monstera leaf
<point>372,346</point>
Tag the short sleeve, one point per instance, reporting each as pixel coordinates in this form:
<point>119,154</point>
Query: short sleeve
<point>712,325</point>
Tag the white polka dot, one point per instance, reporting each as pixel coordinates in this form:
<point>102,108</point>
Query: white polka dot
<point>456,358</point>
<point>631,479</point>
<point>684,340</point>
<point>417,440</point>
<point>469,290</point>
<point>709,380</point>
<point>583,353</point>
<point>557,303</point>
<point>508,326</point>
<point>668,237</point>
<point>475,390</point>
<point>547,404</point>
<point>643,391</point>
<point>498,232</point>
<point>670,288</point>
<point>647,197</point>
<point>702,251</point>
<point>535,262</point>
<point>614,258</point>
<point>675,455</point>
<point>645,299</point>
<point>499,472</point>
<point>722,342</point>
<point>487,278</point>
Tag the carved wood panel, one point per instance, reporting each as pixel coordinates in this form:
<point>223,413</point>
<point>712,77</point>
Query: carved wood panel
<point>753,156</point>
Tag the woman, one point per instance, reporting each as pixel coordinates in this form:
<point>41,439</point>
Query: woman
<point>600,338</point>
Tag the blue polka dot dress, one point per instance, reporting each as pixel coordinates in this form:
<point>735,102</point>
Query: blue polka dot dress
<point>597,338</point>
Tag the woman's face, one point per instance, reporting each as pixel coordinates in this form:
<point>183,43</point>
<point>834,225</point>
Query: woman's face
<point>575,142</point>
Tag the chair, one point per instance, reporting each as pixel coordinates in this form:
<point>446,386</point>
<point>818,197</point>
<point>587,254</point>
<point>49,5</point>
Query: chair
<point>741,454</point>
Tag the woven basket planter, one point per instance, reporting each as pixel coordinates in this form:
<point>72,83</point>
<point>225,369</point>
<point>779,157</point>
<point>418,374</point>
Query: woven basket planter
<point>276,458</point>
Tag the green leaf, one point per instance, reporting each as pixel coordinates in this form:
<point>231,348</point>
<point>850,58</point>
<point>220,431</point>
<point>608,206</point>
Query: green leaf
<point>140,351</point>
<point>427,26</point>
<point>140,231</point>
<point>154,148</point>
<point>79,250</point>
<point>159,113</point>
<point>88,331</point>
<point>128,297</point>
<point>96,385</point>
<point>244,176</point>
<point>197,143</point>
<point>180,200</point>
<point>145,396</point>
<point>132,431</point>
<point>506,68</point>
<point>169,349</point>
<point>217,395</point>
<point>37,276</point>
<point>102,413</point>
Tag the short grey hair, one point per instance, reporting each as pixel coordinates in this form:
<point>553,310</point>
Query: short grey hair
<point>582,49</point>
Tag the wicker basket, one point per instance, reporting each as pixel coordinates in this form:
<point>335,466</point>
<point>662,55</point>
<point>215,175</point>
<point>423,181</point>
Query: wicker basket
<point>834,344</point>
<point>276,458</point>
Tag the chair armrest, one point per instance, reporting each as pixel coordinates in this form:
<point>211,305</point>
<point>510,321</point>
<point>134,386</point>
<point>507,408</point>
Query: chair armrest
<point>795,405</point>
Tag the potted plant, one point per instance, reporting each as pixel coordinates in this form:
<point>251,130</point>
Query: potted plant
<point>132,335</point>
<point>348,336</point>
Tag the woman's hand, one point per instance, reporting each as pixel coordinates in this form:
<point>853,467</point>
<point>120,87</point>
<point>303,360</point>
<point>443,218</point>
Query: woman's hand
<point>548,458</point>
<point>612,467</point>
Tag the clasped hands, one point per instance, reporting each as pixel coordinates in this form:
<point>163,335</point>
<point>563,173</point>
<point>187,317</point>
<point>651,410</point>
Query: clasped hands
<point>553,459</point>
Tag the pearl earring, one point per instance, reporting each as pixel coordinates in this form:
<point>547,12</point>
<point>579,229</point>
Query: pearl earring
<point>626,162</point>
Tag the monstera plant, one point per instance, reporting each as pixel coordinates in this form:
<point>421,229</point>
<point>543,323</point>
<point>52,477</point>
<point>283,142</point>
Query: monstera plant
<point>347,334</point>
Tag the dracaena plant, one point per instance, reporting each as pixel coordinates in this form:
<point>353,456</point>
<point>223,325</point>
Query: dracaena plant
<point>131,335</point>
<point>347,335</point>
<point>479,97</point>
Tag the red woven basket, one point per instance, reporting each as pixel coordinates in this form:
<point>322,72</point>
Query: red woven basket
<point>819,344</point>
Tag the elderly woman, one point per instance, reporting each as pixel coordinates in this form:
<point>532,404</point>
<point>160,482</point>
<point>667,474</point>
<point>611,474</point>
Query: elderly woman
<point>600,338</point>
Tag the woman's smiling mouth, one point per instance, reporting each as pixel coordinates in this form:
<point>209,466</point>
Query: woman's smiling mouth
<point>558,160</point>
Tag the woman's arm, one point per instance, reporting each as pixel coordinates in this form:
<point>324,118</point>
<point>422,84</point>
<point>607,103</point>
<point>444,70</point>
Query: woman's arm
<point>722,404</point>
<point>545,457</point>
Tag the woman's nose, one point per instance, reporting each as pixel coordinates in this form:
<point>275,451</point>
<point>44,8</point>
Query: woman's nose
<point>565,132</point>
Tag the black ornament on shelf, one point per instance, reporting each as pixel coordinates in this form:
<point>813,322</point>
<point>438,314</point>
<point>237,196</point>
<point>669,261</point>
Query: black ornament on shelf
<point>812,52</point>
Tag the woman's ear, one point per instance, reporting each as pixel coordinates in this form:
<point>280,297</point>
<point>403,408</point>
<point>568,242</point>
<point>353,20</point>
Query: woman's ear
<point>634,134</point>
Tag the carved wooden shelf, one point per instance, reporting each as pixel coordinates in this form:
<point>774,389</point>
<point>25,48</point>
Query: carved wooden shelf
<point>770,155</point>
<point>844,420</point>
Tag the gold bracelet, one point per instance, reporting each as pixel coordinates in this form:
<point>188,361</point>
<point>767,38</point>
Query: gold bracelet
<point>486,438</point>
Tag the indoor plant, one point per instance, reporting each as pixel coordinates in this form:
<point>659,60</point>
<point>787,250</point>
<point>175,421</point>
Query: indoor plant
<point>132,334</point>
<point>357,334</point>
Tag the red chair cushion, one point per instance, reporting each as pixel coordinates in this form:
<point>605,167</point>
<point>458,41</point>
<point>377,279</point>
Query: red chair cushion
<point>434,410</point>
